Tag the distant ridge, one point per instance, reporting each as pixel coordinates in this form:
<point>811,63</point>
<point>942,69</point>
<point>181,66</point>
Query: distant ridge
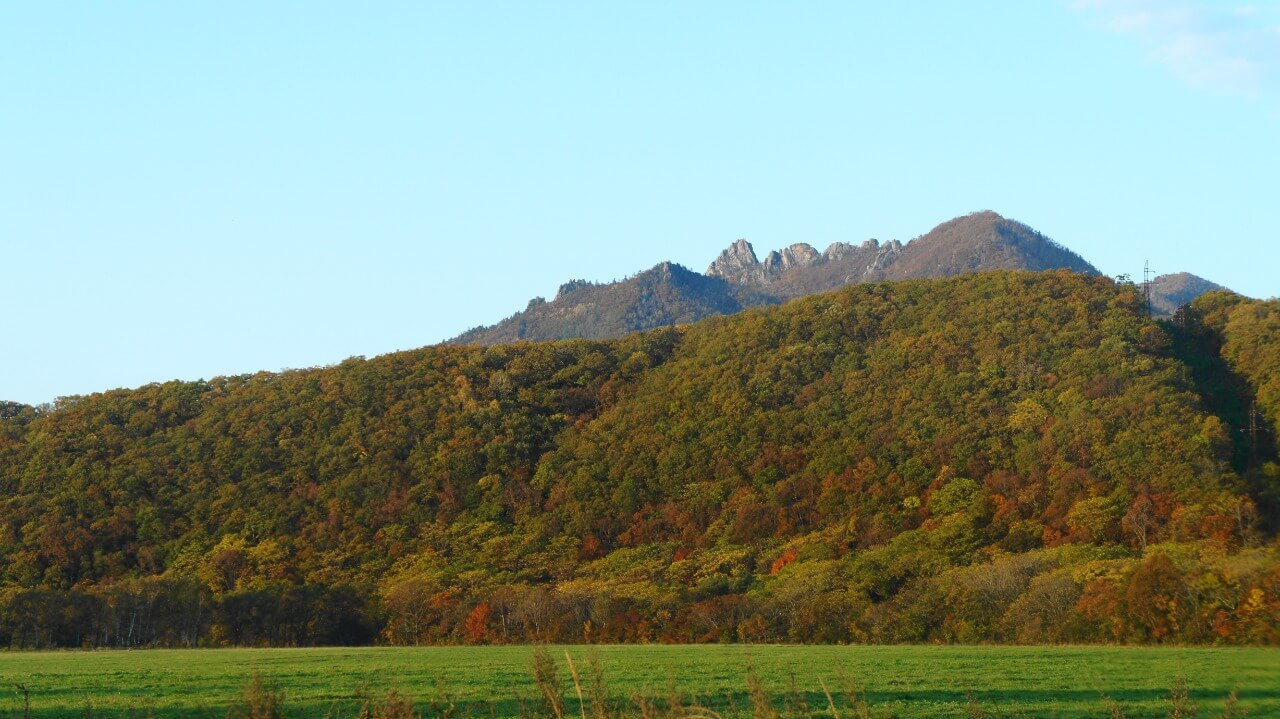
<point>667,294</point>
<point>670,294</point>
<point>1169,292</point>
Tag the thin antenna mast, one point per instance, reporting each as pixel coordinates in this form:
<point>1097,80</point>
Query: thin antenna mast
<point>1146,286</point>
<point>1253,429</point>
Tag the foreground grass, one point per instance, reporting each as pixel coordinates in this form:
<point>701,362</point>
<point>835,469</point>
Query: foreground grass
<point>482,682</point>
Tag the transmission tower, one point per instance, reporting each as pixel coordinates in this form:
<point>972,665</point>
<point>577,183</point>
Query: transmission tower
<point>1146,286</point>
<point>1252,429</point>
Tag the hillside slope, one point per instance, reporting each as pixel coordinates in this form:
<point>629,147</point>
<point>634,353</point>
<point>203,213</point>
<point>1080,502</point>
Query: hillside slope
<point>980,242</point>
<point>999,456</point>
<point>665,295</point>
<point>1169,292</point>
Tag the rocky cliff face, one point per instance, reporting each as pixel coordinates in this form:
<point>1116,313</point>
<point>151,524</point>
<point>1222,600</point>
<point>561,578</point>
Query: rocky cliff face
<point>800,268</point>
<point>738,264</point>
<point>670,294</point>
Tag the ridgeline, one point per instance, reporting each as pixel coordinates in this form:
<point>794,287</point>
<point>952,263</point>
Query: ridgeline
<point>669,295</point>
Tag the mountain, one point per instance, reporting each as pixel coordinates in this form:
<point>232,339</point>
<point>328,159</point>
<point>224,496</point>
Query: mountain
<point>670,294</point>
<point>1001,456</point>
<point>980,242</point>
<point>666,295</point>
<point>1169,292</point>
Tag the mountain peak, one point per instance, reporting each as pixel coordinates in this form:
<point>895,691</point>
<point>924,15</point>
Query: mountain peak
<point>800,254</point>
<point>1169,292</point>
<point>663,295</point>
<point>983,241</point>
<point>737,264</point>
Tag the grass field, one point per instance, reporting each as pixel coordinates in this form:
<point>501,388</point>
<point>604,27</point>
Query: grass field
<point>923,681</point>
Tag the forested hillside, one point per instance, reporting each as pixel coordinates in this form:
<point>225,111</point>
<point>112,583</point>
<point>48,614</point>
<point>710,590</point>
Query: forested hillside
<point>1003,456</point>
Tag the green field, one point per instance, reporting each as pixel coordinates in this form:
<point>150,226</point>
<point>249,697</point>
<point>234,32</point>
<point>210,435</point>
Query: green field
<point>915,681</point>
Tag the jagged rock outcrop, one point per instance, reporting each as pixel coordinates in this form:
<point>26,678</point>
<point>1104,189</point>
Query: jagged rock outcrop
<point>738,264</point>
<point>800,269</point>
<point>801,254</point>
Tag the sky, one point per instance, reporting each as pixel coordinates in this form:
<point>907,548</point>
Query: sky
<point>197,189</point>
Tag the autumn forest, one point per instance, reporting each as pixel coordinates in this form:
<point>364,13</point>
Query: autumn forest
<point>998,457</point>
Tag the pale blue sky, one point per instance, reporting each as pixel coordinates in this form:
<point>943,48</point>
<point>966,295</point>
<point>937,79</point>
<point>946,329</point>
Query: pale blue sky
<point>195,189</point>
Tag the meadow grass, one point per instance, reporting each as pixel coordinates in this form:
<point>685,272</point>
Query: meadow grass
<point>482,682</point>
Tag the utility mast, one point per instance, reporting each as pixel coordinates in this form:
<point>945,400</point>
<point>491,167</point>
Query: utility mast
<point>1146,286</point>
<point>1182,316</point>
<point>1252,429</point>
